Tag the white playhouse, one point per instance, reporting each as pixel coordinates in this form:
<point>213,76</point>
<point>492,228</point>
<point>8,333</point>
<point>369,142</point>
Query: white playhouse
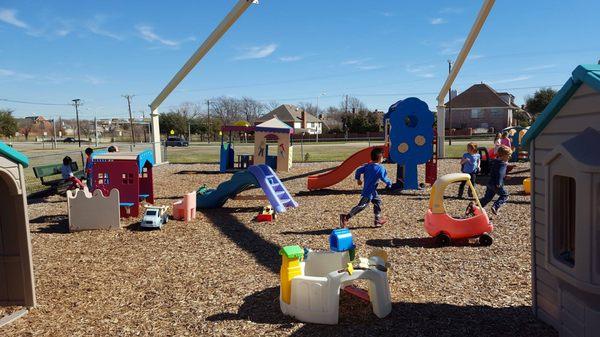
<point>565,206</point>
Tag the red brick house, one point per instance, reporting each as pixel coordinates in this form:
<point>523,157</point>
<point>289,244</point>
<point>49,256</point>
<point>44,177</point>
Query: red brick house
<point>480,107</point>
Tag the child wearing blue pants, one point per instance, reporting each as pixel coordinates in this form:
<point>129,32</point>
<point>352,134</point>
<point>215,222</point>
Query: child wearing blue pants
<point>373,172</point>
<point>496,183</point>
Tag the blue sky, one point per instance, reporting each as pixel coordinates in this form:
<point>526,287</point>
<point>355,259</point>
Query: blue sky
<point>289,51</point>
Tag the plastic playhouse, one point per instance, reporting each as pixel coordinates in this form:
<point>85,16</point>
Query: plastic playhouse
<point>255,176</point>
<point>311,283</point>
<point>444,227</point>
<point>271,130</point>
<point>409,141</point>
<point>128,172</point>
<point>17,286</point>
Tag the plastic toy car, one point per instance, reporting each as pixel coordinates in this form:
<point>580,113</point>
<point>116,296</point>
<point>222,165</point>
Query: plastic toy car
<point>267,214</point>
<point>444,228</point>
<point>155,217</point>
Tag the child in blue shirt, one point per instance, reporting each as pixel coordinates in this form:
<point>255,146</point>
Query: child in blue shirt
<point>373,172</point>
<point>470,164</point>
<point>496,183</point>
<point>88,167</point>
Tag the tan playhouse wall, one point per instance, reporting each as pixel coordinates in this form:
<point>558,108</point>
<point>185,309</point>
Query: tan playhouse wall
<point>16,268</point>
<point>284,160</point>
<point>90,212</point>
<point>567,306</point>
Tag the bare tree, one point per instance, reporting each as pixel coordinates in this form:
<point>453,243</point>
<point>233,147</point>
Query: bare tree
<point>227,109</point>
<point>308,107</point>
<point>353,104</point>
<point>26,125</point>
<point>251,108</point>
<point>272,105</point>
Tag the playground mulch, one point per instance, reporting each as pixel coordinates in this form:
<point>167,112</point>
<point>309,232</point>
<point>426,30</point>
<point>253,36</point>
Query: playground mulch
<point>219,274</point>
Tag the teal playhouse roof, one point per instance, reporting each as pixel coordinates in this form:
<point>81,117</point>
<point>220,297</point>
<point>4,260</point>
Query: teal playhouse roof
<point>588,74</point>
<point>14,155</point>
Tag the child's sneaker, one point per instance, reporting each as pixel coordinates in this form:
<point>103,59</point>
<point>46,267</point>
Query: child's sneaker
<point>379,222</point>
<point>495,210</point>
<point>343,220</point>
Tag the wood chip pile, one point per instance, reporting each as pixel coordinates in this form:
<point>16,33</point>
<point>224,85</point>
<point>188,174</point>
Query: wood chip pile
<point>219,274</point>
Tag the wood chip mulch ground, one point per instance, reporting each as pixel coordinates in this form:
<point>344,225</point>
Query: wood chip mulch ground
<point>219,274</point>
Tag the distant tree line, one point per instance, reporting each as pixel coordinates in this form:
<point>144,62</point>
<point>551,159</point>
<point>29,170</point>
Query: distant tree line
<point>351,115</point>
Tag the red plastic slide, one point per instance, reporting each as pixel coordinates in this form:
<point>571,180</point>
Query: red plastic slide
<point>345,169</point>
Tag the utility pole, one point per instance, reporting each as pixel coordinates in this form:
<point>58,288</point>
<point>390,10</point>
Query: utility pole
<point>128,98</point>
<point>76,103</point>
<point>208,117</point>
<point>450,105</point>
<point>53,133</point>
<point>96,131</point>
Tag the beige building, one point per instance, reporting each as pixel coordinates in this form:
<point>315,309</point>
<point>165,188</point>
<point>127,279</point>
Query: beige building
<point>296,118</point>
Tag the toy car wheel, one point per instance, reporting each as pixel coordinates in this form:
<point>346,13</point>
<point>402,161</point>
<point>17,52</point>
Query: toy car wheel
<point>442,239</point>
<point>166,219</point>
<point>485,240</point>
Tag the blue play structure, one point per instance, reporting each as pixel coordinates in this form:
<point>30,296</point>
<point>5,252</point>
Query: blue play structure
<point>409,124</point>
<point>227,151</point>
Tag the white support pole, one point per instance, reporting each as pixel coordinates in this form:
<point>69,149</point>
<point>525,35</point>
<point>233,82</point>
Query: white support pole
<point>460,59</point>
<point>213,38</point>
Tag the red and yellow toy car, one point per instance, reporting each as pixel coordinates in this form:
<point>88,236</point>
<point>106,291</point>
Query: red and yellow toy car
<point>444,228</point>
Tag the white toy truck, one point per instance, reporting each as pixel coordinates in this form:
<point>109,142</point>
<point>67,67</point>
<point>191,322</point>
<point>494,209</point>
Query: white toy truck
<point>155,217</point>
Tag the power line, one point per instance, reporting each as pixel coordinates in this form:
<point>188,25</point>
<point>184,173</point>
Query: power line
<point>33,103</point>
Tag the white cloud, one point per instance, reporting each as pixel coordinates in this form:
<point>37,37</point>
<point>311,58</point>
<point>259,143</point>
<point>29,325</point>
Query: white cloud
<point>437,21</point>
<point>10,16</point>
<point>369,67</point>
<point>94,80</point>
<point>147,33</point>
<point>387,14</point>
<point>514,79</point>
<point>540,67</point>
<point>475,56</point>
<point>451,10</point>
<point>421,70</point>
<point>451,47</point>
<point>257,52</point>
<point>95,26</point>
<point>290,58</point>
<point>14,75</point>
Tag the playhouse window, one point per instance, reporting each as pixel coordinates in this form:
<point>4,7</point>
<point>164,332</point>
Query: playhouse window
<point>127,178</point>
<point>563,218</point>
<point>102,178</point>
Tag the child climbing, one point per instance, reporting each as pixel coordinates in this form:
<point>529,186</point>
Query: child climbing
<point>88,167</point>
<point>496,183</point>
<point>67,174</point>
<point>470,164</point>
<point>373,172</point>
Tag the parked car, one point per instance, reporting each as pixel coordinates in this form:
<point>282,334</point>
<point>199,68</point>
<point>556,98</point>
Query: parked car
<point>155,217</point>
<point>69,140</point>
<point>176,141</point>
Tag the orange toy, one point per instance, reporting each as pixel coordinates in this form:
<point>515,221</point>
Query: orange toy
<point>445,228</point>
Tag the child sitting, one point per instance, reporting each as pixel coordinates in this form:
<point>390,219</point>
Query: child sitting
<point>496,183</point>
<point>67,174</point>
<point>88,167</point>
<point>470,164</point>
<point>373,172</point>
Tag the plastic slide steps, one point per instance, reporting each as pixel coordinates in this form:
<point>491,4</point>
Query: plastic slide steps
<point>345,169</point>
<point>256,176</point>
<point>278,195</point>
